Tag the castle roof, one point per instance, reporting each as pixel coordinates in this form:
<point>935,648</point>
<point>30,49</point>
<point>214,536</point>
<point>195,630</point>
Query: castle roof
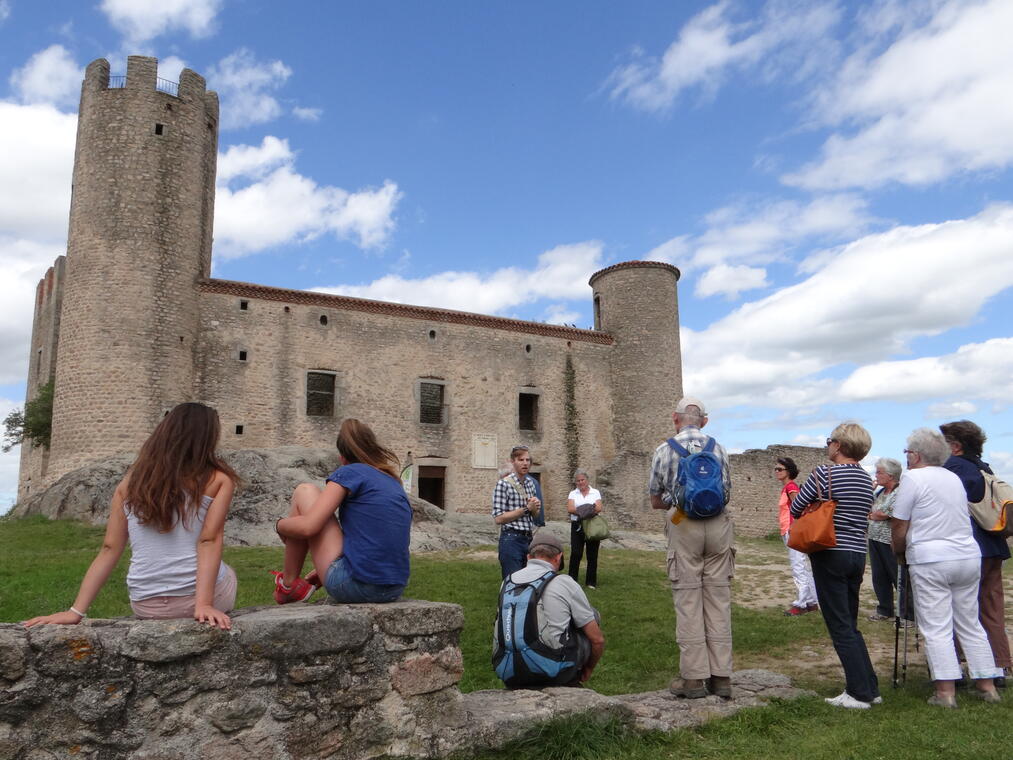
<point>634,265</point>
<point>347,303</point>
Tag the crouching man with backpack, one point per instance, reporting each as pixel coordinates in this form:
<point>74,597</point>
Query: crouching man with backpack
<point>547,634</point>
<point>691,480</point>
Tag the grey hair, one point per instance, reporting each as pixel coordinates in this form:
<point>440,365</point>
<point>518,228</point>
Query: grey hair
<point>691,416</point>
<point>891,467</point>
<point>930,444</point>
<point>578,473</point>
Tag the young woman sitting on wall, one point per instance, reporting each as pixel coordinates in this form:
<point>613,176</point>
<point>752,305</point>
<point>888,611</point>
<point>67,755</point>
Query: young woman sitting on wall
<point>171,506</point>
<point>357,527</point>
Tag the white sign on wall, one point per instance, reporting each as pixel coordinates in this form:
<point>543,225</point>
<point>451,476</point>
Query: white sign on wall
<point>483,451</point>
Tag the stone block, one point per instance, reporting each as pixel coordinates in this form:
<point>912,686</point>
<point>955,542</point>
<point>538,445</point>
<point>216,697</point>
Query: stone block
<point>426,672</point>
<point>65,650</point>
<point>426,618</point>
<point>13,653</point>
<point>169,640</point>
<point>302,630</point>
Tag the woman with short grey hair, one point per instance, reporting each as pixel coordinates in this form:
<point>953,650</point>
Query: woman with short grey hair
<point>882,560</point>
<point>931,528</point>
<point>583,501</point>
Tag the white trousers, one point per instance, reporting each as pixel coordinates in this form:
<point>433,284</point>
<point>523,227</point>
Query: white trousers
<point>802,574</point>
<point>946,602</point>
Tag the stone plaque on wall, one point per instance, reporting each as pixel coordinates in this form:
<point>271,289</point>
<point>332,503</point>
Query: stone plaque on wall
<point>483,451</point>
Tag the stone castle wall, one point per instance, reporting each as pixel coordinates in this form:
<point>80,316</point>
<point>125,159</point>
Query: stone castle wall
<point>378,361</point>
<point>755,490</point>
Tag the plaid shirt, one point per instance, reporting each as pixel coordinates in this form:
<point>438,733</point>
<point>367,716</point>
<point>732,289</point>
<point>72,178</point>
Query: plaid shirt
<point>665,466</point>
<point>507,498</point>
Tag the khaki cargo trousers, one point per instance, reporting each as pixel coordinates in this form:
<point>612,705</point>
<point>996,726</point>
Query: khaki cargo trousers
<point>701,563</point>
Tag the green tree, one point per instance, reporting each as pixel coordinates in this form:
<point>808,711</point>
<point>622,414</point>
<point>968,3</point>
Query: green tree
<point>35,422</point>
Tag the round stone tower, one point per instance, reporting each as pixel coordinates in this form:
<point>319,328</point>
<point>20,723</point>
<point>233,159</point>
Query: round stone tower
<point>637,303</point>
<point>140,237</point>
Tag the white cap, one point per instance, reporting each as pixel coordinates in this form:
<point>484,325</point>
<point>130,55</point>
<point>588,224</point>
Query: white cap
<point>687,401</point>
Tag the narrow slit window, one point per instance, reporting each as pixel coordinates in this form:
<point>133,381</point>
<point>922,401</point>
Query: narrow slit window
<point>242,356</point>
<point>319,394</point>
<point>244,305</point>
<point>431,403</point>
<point>527,411</point>
<point>159,129</point>
<point>239,429</point>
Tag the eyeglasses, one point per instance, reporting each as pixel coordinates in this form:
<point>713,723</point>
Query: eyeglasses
<point>910,451</point>
<point>779,469</point>
<point>832,440</point>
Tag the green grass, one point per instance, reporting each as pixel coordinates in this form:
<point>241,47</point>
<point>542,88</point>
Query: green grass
<point>43,562</point>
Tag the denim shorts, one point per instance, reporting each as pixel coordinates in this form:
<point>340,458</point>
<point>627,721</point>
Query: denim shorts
<point>344,588</point>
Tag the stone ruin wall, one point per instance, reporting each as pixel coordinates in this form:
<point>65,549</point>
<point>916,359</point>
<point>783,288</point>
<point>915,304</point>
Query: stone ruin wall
<point>755,490</point>
<point>305,681</point>
<point>378,360</point>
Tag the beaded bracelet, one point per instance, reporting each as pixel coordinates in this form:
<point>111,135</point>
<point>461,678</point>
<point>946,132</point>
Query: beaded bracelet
<point>78,612</point>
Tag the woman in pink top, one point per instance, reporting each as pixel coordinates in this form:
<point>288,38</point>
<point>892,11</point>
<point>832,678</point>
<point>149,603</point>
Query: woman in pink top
<point>805,600</point>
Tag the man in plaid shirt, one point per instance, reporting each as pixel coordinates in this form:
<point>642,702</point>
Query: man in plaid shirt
<point>701,561</point>
<point>515,508</point>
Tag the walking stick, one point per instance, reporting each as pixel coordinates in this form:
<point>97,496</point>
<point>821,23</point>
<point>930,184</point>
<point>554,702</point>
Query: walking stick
<point>896,645</point>
<point>903,677</point>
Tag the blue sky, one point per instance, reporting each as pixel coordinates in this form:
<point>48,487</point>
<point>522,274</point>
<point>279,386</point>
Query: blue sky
<point>832,178</point>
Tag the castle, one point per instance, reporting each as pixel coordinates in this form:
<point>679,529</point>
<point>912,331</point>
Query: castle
<point>130,323</point>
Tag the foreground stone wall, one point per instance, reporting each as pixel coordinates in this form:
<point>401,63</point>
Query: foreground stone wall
<point>294,682</point>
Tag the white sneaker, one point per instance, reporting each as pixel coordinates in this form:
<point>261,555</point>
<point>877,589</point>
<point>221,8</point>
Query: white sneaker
<point>846,700</point>
<point>877,701</point>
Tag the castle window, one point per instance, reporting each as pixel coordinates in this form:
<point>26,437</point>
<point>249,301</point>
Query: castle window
<point>527,411</point>
<point>159,129</point>
<point>431,402</point>
<point>287,310</point>
<point>432,335</point>
<point>597,312</point>
<point>323,319</point>
<point>244,305</point>
<point>239,429</point>
<point>242,356</point>
<point>527,348</point>
<point>320,394</point>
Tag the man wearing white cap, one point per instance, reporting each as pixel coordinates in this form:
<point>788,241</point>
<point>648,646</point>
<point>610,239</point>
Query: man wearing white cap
<point>690,479</point>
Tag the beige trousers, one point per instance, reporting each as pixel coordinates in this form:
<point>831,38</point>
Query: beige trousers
<point>701,563</point>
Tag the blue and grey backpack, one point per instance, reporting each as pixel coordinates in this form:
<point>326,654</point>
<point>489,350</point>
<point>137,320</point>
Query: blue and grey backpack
<point>521,658</point>
<point>701,478</point>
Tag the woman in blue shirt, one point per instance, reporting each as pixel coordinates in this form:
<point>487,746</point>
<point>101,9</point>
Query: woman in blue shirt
<point>356,528</point>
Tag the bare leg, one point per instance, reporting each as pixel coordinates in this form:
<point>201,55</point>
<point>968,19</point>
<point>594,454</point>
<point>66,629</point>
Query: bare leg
<point>325,546</point>
<point>945,689</point>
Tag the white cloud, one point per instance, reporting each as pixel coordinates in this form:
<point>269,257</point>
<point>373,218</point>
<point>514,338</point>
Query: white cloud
<point>560,272</point>
<point>49,76</point>
<point>729,281</point>
<point>254,162</point>
<point>170,67</point>
<point>711,46</point>
<point>37,142</point>
<point>10,463</point>
<point>933,104</point>
<point>244,85</point>
<point>142,20</point>
<point>865,304</point>
<point>950,410</point>
<point>5,10</point>
<point>282,206</point>
<point>307,114</point>
<point>976,370</point>
<point>561,314</point>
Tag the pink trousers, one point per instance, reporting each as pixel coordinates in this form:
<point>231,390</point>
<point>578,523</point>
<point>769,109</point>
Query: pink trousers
<point>163,607</point>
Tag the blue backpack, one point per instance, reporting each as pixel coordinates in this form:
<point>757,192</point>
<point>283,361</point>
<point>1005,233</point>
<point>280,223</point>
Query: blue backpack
<point>521,658</point>
<point>701,478</point>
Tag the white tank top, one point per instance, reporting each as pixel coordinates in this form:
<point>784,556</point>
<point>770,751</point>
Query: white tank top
<point>164,564</point>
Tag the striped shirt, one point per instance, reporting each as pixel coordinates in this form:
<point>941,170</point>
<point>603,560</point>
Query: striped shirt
<point>852,490</point>
<point>506,497</point>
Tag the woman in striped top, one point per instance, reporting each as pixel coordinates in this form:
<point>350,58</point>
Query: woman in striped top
<point>838,571</point>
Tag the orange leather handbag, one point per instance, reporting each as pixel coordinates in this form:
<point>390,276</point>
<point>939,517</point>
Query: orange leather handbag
<point>813,531</point>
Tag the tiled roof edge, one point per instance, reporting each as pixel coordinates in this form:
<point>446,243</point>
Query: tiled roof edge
<point>326,300</point>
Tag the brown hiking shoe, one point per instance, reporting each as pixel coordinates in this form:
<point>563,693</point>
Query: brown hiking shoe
<point>689,688</point>
<point>720,686</point>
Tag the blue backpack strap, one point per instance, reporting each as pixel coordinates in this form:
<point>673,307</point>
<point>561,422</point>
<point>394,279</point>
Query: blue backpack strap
<point>710,445</point>
<point>678,448</point>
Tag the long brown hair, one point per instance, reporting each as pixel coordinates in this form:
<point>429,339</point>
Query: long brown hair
<point>174,466</point>
<point>357,443</point>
